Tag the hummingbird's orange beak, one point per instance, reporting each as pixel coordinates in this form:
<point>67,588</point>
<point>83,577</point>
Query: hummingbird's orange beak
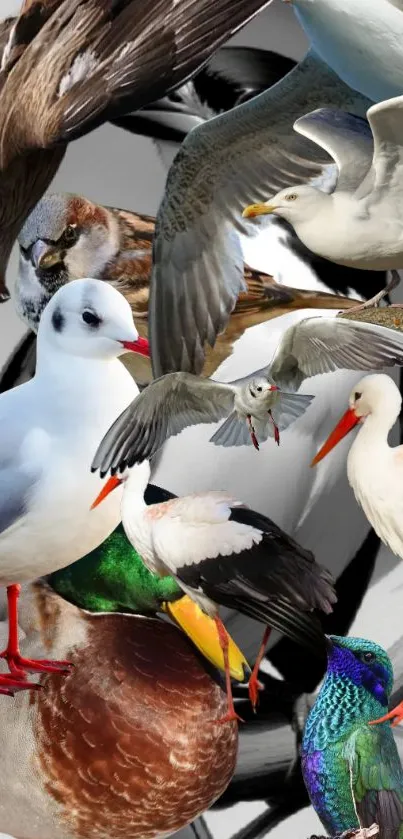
<point>348,421</point>
<point>107,488</point>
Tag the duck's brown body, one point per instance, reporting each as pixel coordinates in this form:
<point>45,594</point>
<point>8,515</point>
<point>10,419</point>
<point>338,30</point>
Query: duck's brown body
<point>128,746</point>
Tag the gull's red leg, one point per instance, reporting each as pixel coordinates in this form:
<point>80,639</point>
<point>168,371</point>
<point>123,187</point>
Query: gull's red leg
<point>16,663</point>
<point>252,432</point>
<point>253,681</point>
<point>223,639</point>
<point>275,428</point>
<point>396,715</point>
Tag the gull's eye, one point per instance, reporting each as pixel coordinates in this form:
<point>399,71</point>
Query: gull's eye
<point>70,234</point>
<point>259,388</point>
<point>357,396</point>
<point>367,657</point>
<point>292,196</point>
<point>91,318</point>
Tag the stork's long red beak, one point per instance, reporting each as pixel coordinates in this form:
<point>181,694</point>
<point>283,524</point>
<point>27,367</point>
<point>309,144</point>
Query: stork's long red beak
<point>110,485</point>
<point>141,346</point>
<point>348,421</point>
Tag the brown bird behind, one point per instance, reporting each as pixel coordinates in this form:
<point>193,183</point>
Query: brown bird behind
<point>66,67</point>
<point>49,258</point>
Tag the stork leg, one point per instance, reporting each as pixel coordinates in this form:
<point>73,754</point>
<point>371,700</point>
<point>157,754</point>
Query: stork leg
<point>253,681</point>
<point>396,715</point>
<point>223,639</point>
<point>252,432</point>
<point>16,663</point>
<point>275,428</point>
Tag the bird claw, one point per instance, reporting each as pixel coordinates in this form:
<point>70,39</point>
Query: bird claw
<point>19,665</point>
<point>9,685</point>
<point>254,687</point>
<point>376,299</point>
<point>231,716</point>
<point>396,715</point>
<point>252,433</point>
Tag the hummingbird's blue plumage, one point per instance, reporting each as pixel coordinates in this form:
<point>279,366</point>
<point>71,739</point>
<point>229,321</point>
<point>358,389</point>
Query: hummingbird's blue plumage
<point>352,770</point>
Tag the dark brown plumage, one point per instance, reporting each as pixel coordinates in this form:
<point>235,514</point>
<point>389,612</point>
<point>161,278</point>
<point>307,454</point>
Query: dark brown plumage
<point>116,245</point>
<point>66,67</point>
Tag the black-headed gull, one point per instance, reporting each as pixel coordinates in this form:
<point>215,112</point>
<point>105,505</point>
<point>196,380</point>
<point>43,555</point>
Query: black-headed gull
<point>49,430</point>
<point>256,405</point>
<point>221,552</point>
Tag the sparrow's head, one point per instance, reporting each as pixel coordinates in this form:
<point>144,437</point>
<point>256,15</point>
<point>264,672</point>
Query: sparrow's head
<point>65,238</point>
<point>88,319</point>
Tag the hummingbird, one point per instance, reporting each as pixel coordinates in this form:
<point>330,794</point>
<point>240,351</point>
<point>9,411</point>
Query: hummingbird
<point>351,769</point>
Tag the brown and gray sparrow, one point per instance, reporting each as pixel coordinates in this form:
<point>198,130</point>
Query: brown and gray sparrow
<point>66,67</point>
<point>67,237</point>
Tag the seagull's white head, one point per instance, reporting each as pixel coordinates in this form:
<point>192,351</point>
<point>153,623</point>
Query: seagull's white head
<point>375,395</point>
<point>296,204</point>
<point>89,319</point>
<point>259,388</point>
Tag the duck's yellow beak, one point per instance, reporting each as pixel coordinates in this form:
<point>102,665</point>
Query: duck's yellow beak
<point>258,210</point>
<point>202,631</point>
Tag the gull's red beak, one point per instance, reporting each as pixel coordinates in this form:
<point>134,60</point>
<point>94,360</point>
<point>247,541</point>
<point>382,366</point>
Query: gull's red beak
<point>273,387</point>
<point>107,488</point>
<point>141,346</point>
<point>348,421</point>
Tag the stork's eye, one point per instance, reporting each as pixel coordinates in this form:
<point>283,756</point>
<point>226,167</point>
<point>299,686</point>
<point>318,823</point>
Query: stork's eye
<point>367,657</point>
<point>357,396</point>
<point>91,318</point>
<point>292,196</point>
<point>70,234</point>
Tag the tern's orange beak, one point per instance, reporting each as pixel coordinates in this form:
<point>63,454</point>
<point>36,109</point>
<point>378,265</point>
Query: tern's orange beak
<point>110,485</point>
<point>348,421</point>
<point>141,346</point>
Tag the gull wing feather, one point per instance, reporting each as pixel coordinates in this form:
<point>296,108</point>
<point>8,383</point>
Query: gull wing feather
<point>386,121</point>
<point>239,157</point>
<point>346,138</point>
<point>322,345</point>
<point>162,410</point>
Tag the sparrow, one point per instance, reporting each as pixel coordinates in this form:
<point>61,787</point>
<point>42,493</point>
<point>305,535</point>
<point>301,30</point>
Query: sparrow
<point>66,67</point>
<point>68,237</point>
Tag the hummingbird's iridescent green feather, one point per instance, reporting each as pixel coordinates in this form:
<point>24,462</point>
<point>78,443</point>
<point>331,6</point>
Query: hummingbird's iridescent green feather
<point>352,770</point>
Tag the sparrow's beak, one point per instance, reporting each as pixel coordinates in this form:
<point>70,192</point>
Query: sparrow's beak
<point>107,488</point>
<point>258,210</point>
<point>44,255</point>
<point>202,631</point>
<point>348,421</point>
<point>141,346</point>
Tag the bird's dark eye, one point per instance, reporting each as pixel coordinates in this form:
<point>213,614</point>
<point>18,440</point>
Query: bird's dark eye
<point>70,234</point>
<point>367,657</point>
<point>292,196</point>
<point>91,318</point>
<point>259,388</point>
<point>357,396</point>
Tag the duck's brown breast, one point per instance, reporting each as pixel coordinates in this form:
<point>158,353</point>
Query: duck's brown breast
<point>129,743</point>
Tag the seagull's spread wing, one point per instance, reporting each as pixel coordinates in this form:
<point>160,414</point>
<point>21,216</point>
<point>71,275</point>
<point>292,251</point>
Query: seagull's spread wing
<point>386,119</point>
<point>163,409</point>
<point>91,61</point>
<point>237,158</point>
<point>322,345</point>
<point>347,138</point>
<point>376,778</point>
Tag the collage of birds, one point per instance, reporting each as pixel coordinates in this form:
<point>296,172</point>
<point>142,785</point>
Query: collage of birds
<point>201,451</point>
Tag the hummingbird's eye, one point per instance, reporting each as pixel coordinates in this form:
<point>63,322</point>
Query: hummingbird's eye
<point>367,657</point>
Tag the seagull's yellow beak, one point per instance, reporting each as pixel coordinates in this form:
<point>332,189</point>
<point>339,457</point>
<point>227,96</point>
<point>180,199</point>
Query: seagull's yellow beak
<point>258,210</point>
<point>202,631</point>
